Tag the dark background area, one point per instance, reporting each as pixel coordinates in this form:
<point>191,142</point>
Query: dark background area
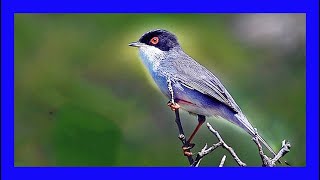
<point>83,97</point>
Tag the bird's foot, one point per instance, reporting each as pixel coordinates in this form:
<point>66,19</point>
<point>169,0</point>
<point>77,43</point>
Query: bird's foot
<point>173,106</point>
<point>187,149</point>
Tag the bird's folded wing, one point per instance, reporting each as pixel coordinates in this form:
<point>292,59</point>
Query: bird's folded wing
<point>194,76</point>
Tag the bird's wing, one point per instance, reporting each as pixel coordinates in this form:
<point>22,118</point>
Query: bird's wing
<point>194,76</point>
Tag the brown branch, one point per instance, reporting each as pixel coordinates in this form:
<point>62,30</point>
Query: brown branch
<point>181,135</point>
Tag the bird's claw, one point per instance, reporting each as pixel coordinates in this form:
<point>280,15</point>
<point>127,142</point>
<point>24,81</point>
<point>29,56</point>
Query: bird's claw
<point>186,149</point>
<point>188,146</point>
<point>173,106</point>
<point>187,153</point>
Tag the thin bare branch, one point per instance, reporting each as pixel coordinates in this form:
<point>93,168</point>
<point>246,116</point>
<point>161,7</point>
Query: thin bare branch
<point>204,151</point>
<point>224,145</point>
<point>222,161</point>
<point>285,148</point>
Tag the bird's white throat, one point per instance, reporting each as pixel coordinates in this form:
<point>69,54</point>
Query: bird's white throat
<point>151,57</point>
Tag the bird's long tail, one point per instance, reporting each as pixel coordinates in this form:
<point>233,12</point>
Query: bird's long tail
<point>242,121</point>
<point>266,145</point>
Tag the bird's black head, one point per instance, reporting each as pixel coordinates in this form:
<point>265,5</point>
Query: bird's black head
<point>162,39</point>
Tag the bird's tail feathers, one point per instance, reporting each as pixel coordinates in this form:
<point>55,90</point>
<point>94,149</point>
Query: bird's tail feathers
<point>266,145</point>
<point>245,124</point>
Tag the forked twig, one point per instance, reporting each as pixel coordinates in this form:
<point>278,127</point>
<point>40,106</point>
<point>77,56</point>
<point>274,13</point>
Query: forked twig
<point>271,162</point>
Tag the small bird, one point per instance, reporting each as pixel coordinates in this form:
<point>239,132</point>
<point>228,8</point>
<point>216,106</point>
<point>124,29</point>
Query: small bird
<point>188,84</point>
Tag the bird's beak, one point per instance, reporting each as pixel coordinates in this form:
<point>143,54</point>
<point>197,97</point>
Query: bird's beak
<point>135,44</point>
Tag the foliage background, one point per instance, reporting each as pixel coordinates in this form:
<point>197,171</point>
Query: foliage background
<point>83,97</point>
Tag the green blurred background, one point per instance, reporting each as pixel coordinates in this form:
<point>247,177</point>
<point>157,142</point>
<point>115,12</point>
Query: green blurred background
<point>83,97</point>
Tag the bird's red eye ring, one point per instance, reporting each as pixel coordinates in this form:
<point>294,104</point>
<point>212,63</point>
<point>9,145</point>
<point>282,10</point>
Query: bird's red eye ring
<point>154,40</point>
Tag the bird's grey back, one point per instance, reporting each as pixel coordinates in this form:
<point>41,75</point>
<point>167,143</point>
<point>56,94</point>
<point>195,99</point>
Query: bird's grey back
<point>182,68</point>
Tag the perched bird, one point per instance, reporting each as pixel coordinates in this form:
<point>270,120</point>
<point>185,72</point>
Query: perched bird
<point>187,84</point>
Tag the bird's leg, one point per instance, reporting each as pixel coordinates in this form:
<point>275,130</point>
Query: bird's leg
<point>201,120</point>
<point>174,106</point>
<point>188,145</point>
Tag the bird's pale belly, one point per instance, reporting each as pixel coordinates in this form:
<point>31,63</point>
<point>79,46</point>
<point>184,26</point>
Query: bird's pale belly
<point>194,109</point>
<point>196,103</point>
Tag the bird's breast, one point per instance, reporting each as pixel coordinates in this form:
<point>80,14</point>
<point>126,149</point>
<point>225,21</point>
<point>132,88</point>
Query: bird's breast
<point>151,57</point>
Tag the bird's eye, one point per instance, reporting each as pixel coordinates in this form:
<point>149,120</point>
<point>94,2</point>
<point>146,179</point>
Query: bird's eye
<point>154,40</point>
